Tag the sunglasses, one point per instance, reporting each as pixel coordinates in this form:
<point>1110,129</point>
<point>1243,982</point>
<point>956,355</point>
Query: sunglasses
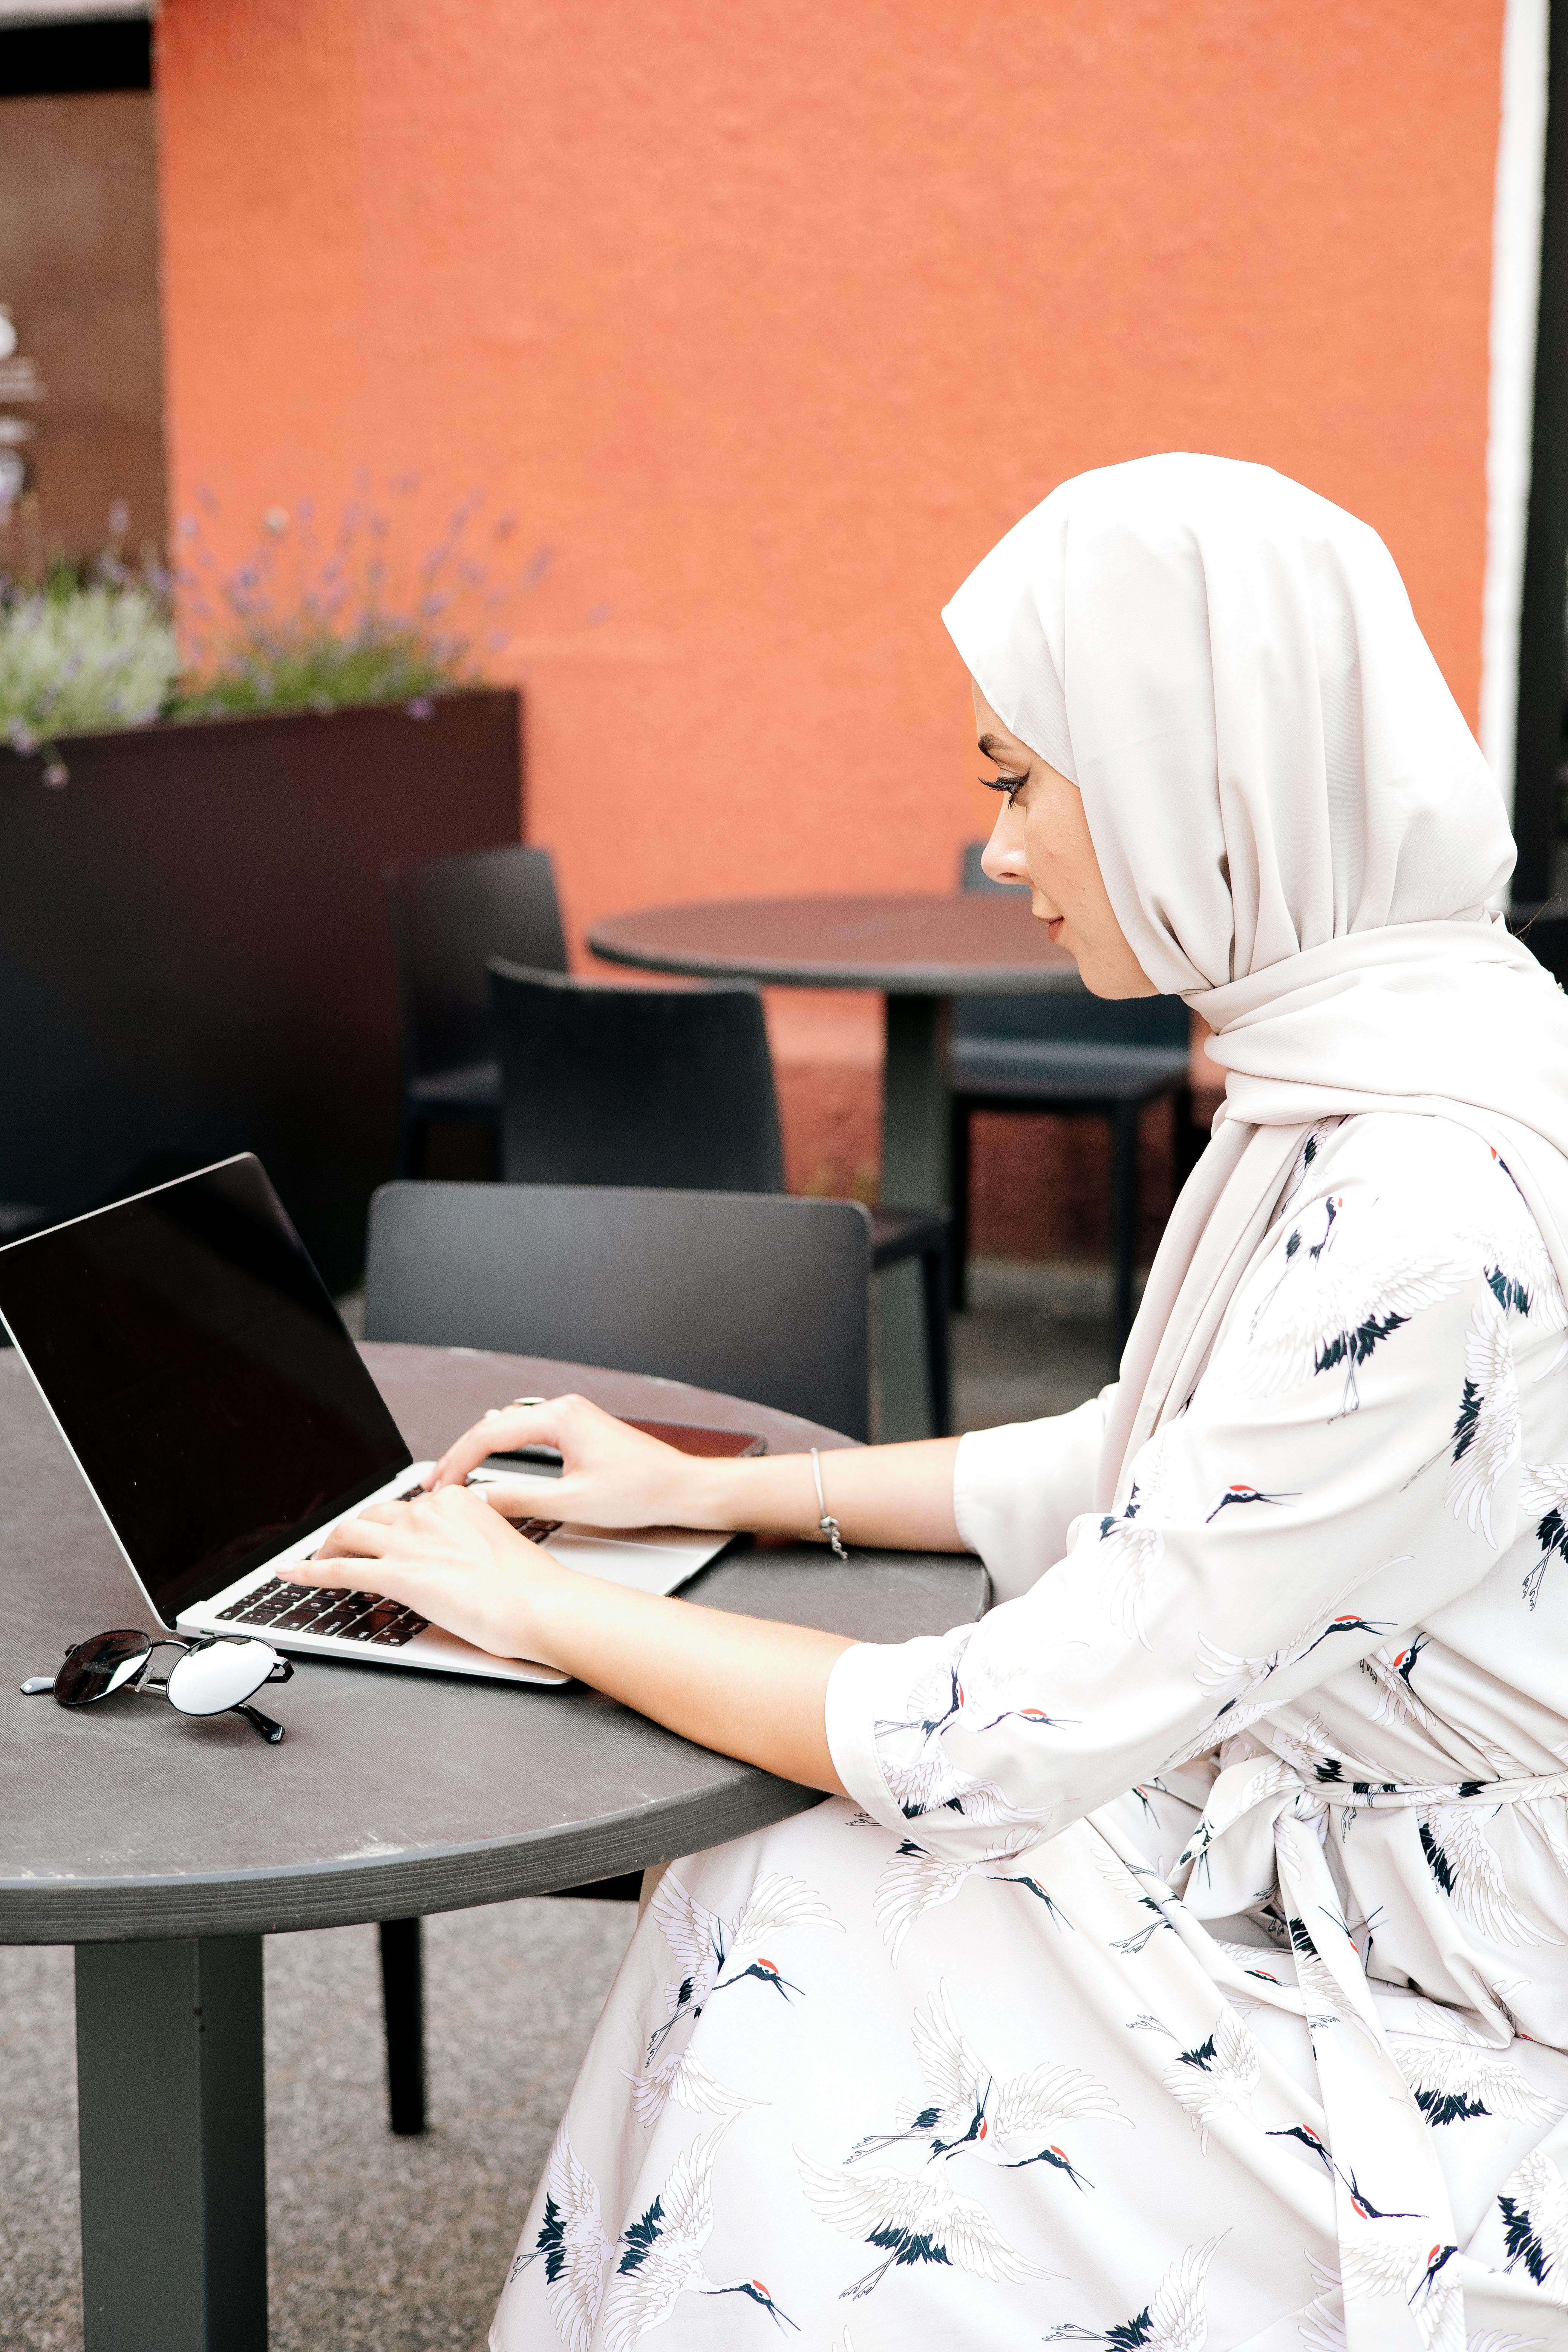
<point>216,1676</point>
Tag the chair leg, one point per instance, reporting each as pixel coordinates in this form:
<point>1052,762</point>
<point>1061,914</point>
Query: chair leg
<point>402,2006</point>
<point>1126,1222</point>
<point>958,1230</point>
<point>935,1289</point>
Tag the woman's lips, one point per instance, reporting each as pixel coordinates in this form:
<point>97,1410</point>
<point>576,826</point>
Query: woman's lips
<point>1054,928</point>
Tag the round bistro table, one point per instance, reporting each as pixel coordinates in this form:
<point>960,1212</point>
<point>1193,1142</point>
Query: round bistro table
<point>920,953</point>
<point>165,1848</point>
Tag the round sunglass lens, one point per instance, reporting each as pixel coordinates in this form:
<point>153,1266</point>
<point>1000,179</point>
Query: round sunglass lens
<point>94,1668</point>
<point>220,1674</point>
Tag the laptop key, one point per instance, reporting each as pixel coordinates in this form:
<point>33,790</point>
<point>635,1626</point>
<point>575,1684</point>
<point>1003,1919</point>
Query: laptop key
<point>400,1630</point>
<point>258,1593</point>
<point>307,1611</point>
<point>371,1627</point>
<point>337,1621</point>
<point>265,1613</point>
<point>538,1530</point>
<point>247,1601</point>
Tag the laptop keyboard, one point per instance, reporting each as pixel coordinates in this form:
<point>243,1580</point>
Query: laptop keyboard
<point>348,1616</point>
<point>326,1609</point>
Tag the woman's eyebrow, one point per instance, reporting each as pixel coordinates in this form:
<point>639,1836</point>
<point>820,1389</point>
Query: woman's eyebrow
<point>991,748</point>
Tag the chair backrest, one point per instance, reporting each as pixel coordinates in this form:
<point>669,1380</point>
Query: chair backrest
<point>448,915</point>
<point>1075,1018</point>
<point>607,1084</point>
<point>760,1298</point>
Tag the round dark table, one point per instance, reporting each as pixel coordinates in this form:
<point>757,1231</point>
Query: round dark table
<point>920,953</point>
<point>164,1849</point>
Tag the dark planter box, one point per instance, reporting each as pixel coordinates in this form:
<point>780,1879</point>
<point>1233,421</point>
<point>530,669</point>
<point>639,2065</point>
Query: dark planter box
<point>195,952</point>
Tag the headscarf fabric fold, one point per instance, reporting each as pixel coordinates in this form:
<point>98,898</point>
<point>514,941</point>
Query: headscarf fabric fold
<point>1298,834</point>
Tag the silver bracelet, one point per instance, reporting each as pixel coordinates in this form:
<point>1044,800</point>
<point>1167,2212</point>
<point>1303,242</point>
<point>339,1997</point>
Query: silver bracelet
<point>828,1523</point>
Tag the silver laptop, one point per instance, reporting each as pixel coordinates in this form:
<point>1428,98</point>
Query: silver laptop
<point>224,1421</point>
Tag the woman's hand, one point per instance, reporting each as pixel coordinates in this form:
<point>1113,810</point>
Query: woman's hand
<point>448,1555</point>
<point>736,1685</point>
<point>612,1475</point>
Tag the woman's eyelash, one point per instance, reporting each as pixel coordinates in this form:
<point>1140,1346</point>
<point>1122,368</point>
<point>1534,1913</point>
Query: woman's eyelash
<point>1008,784</point>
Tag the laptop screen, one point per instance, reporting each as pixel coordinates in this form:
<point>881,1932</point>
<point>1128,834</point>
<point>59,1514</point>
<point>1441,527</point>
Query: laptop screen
<point>201,1375</point>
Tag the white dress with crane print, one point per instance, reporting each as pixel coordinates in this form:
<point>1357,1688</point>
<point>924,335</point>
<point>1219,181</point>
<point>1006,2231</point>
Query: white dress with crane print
<point>1189,1969</point>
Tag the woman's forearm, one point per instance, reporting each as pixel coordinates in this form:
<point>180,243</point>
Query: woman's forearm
<point>742,1685</point>
<point>615,1475</point>
<point>899,1496</point>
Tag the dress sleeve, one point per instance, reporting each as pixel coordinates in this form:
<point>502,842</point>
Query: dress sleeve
<point>1017,1491</point>
<point>1348,1464</point>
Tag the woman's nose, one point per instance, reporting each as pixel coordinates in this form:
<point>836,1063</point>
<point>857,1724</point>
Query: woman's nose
<point>1003,857</point>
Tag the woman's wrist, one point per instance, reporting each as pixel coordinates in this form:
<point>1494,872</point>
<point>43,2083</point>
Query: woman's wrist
<point>756,1495</point>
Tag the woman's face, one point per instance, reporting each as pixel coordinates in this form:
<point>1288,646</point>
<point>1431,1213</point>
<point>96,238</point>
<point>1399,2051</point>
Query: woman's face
<point>1041,837</point>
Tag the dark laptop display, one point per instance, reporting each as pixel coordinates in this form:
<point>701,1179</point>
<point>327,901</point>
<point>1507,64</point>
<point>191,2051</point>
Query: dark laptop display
<point>201,1375</point>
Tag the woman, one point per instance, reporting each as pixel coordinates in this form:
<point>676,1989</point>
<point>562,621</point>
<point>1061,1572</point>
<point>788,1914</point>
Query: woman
<point>1186,1961</point>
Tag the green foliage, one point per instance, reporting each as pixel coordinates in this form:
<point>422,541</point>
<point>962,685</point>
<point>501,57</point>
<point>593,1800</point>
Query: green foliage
<point>305,623</point>
<point>74,656</point>
<point>307,665</point>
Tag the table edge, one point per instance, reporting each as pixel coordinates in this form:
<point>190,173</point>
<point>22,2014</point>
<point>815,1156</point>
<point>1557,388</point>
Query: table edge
<point>935,979</point>
<point>454,1878</point>
<point>459,1876</point>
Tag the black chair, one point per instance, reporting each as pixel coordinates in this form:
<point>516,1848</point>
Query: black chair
<point>761,1295</point>
<point>613,1085</point>
<point>1073,1055</point>
<point>758,1296</point>
<point>448,915</point>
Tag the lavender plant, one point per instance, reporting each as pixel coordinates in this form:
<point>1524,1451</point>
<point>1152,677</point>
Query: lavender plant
<point>312,622</point>
<point>81,655</point>
<point>300,624</point>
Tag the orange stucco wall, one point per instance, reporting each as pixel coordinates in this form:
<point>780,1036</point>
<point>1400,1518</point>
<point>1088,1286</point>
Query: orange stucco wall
<point>771,315</point>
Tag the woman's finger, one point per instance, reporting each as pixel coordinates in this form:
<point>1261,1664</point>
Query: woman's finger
<point>518,1498</point>
<point>360,1539</point>
<point>505,1429</point>
<point>563,1423</point>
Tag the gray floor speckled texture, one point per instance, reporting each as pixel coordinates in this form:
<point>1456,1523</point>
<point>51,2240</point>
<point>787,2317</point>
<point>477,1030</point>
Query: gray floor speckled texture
<point>384,2245</point>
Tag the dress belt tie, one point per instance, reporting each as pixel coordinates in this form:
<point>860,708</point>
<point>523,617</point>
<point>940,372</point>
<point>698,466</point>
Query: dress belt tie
<point>1379,2146</point>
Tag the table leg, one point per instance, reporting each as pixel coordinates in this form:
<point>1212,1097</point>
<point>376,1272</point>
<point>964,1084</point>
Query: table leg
<point>172,2120</point>
<point>915,1142</point>
<point>402,2014</point>
<point>915,1149</point>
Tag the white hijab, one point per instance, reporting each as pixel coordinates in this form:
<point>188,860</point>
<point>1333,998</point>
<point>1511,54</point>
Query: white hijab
<point>1297,835</point>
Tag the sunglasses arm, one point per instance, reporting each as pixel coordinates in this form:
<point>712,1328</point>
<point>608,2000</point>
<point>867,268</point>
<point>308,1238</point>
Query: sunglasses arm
<point>270,1731</point>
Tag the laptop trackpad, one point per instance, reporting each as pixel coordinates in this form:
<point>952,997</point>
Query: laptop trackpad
<point>657,1560</point>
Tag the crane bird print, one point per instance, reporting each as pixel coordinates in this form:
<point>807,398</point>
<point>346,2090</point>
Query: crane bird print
<point>1465,1864</point>
<point>917,1880</point>
<point>680,2079</point>
<point>968,2110</point>
<point>662,2259</point>
<point>1174,2319</point>
<point>1337,1299</point>
<point>705,1945</point>
<point>1456,2080</point>
<point>572,2245</point>
<point>914,2220</point>
<point>1395,2263</point>
<point>1130,1539</point>
<point>1233,1681</point>
<point>1217,2076</point>
<point>1533,2205</point>
<point>1487,1432</point>
<point>1543,1497</point>
<point>933,1784</point>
